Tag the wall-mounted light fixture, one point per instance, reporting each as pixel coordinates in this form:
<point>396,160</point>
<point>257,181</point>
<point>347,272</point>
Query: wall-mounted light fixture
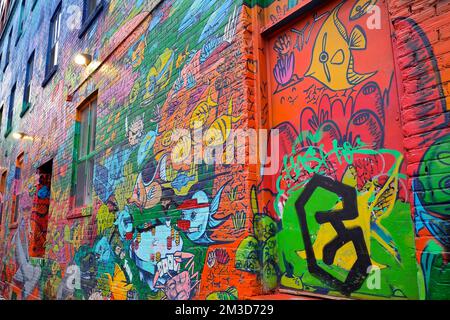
<point>83,59</point>
<point>21,136</point>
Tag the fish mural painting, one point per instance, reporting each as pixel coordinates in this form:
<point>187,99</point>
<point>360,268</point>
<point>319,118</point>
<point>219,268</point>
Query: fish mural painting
<point>148,191</point>
<point>333,63</point>
<point>219,131</point>
<point>361,7</point>
<point>201,112</point>
<point>159,75</point>
<point>197,219</point>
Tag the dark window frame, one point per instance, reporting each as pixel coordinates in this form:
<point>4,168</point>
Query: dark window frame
<point>9,121</point>
<point>21,21</point>
<point>89,18</point>
<point>15,214</point>
<point>33,5</point>
<point>26,103</point>
<point>84,209</point>
<point>3,179</point>
<point>2,110</point>
<point>8,49</point>
<point>50,70</point>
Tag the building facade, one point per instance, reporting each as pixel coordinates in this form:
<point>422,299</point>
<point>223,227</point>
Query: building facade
<point>114,176</point>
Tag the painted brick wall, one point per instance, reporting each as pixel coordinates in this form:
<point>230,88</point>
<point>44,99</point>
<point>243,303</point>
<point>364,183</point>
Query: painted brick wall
<point>157,67</point>
<point>416,123</point>
<point>421,42</point>
<point>155,70</point>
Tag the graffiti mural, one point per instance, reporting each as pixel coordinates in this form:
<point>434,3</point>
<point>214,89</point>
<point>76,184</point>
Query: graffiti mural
<point>357,208</point>
<point>430,182</point>
<point>154,222</point>
<point>342,187</point>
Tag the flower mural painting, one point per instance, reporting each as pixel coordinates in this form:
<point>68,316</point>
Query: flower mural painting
<point>340,133</point>
<point>347,120</point>
<point>284,69</point>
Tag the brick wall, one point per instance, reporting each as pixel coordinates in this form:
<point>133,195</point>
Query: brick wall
<point>420,30</point>
<point>158,66</point>
<point>416,124</point>
<point>155,65</point>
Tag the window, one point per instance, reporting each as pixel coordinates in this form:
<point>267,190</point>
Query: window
<point>85,147</point>
<point>1,118</point>
<point>16,191</point>
<point>10,111</point>
<point>53,45</point>
<point>8,44</point>
<point>27,88</point>
<point>91,10</point>
<point>21,21</point>
<point>91,5</point>
<point>2,194</point>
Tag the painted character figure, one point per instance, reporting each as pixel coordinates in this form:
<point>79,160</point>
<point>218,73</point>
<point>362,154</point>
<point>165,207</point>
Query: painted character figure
<point>27,274</point>
<point>134,131</point>
<point>124,223</point>
<point>197,219</point>
<point>180,286</point>
<point>88,270</point>
<point>157,253</point>
<point>103,250</point>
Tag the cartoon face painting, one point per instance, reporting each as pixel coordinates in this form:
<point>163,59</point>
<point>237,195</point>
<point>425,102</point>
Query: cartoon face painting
<point>197,216</point>
<point>124,224</point>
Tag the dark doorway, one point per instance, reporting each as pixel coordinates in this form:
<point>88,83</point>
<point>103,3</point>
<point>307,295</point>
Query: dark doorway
<point>40,211</point>
<point>2,194</point>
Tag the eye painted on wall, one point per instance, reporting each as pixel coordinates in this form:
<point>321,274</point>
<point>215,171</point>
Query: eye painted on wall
<point>361,119</point>
<point>444,184</point>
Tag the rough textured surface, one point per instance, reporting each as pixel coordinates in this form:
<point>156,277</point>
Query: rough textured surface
<point>378,137</point>
<point>423,51</point>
